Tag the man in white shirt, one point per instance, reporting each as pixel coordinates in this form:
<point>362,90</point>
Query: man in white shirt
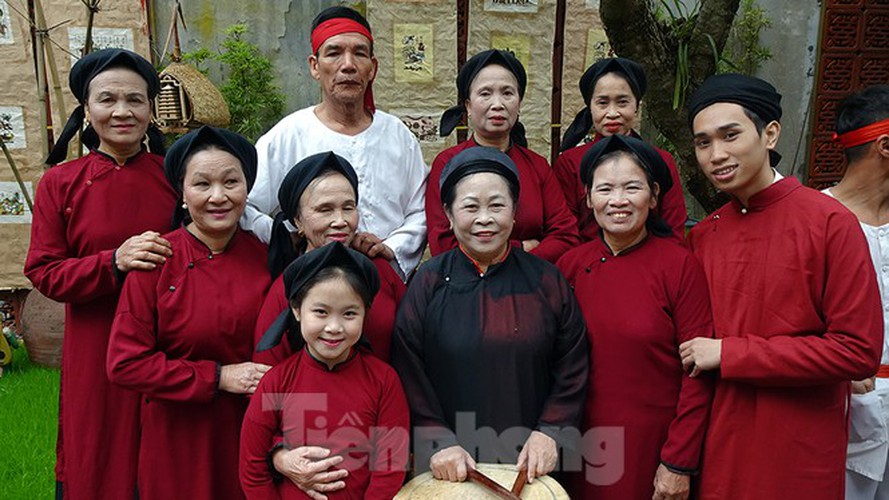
<point>862,127</point>
<point>384,153</point>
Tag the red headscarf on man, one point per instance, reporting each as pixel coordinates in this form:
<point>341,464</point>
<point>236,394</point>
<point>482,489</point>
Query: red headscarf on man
<point>338,26</point>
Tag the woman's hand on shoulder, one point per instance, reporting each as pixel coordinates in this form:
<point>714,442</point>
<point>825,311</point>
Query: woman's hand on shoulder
<point>241,378</point>
<point>451,464</point>
<point>308,467</point>
<point>142,252</point>
<point>539,455</point>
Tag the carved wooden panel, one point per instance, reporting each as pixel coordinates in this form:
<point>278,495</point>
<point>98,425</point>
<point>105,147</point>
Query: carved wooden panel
<point>854,54</point>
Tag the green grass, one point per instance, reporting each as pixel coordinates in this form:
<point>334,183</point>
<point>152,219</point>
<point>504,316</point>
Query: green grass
<point>29,413</point>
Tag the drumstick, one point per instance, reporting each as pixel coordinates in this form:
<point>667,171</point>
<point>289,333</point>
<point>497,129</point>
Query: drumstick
<point>491,485</point>
<point>520,482</point>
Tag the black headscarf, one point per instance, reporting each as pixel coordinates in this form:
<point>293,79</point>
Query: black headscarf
<point>281,251</point>
<point>302,271</point>
<point>630,70</point>
<point>83,72</point>
<point>452,116</point>
<point>177,158</point>
<point>474,160</point>
<point>751,93</point>
<point>649,159</point>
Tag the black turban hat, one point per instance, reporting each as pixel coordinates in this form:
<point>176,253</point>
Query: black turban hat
<point>648,158</point>
<point>226,140</point>
<point>452,116</point>
<point>751,93</point>
<point>281,251</point>
<point>83,72</point>
<point>474,160</point>
<point>302,271</point>
<point>630,70</point>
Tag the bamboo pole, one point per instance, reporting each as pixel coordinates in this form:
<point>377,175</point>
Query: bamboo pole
<point>18,176</point>
<point>53,68</point>
<point>42,87</point>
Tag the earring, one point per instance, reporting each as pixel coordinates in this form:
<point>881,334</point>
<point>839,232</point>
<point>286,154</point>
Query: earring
<point>184,206</point>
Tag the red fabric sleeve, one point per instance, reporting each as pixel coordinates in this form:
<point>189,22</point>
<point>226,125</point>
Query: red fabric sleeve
<point>567,173</point>
<point>391,439</point>
<point>134,360</point>
<point>275,303</point>
<point>52,266</point>
<point>691,318</point>
<point>851,345</point>
<point>559,225</point>
<point>258,436</point>
<point>672,208</point>
<point>438,228</point>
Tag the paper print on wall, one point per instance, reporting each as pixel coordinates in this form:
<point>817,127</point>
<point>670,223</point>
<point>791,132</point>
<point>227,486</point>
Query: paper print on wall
<point>592,4</point>
<point>103,38</point>
<point>414,54</point>
<point>5,24</point>
<point>597,46</point>
<point>423,124</point>
<point>13,208</point>
<point>519,45</point>
<point>522,6</point>
<point>12,127</point>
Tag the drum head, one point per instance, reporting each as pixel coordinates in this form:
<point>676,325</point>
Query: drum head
<point>426,487</point>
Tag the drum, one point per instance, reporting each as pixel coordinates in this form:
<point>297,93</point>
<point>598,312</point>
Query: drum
<point>426,487</point>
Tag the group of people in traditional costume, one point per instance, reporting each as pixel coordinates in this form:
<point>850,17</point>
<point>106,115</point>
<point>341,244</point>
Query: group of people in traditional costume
<point>251,322</point>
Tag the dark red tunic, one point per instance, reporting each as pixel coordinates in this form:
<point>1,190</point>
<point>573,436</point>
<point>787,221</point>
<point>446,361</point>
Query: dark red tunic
<point>378,323</point>
<point>84,210</point>
<point>567,171</point>
<point>639,306</point>
<point>357,410</point>
<point>541,213</point>
<point>175,326</point>
<point>796,303</point>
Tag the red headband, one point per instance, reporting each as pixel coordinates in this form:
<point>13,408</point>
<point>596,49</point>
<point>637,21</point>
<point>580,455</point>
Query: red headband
<point>863,135</point>
<point>338,26</point>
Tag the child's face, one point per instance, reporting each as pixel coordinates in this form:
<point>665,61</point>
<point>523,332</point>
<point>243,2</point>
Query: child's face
<point>331,317</point>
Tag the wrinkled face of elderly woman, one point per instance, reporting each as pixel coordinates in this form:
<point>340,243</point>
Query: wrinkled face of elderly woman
<point>494,102</point>
<point>482,215</point>
<point>215,191</point>
<point>621,198</point>
<point>327,211</point>
<point>613,105</point>
<point>118,109</point>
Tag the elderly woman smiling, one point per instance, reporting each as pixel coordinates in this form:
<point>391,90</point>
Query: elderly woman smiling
<point>95,219</point>
<point>490,88</point>
<point>642,294</point>
<point>612,90</point>
<point>482,320</point>
<point>183,332</point>
<point>319,197</point>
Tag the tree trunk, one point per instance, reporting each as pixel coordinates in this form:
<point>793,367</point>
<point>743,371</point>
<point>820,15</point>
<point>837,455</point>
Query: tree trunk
<point>635,33</point>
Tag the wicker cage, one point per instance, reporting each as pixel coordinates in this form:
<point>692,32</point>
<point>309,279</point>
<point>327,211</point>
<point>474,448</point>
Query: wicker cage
<point>187,100</point>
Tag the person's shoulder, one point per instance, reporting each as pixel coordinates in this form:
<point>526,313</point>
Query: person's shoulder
<point>442,158</point>
<point>708,223</point>
<point>299,119</point>
<point>392,124</point>
<point>576,153</point>
<point>67,170</point>
<point>251,241</point>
